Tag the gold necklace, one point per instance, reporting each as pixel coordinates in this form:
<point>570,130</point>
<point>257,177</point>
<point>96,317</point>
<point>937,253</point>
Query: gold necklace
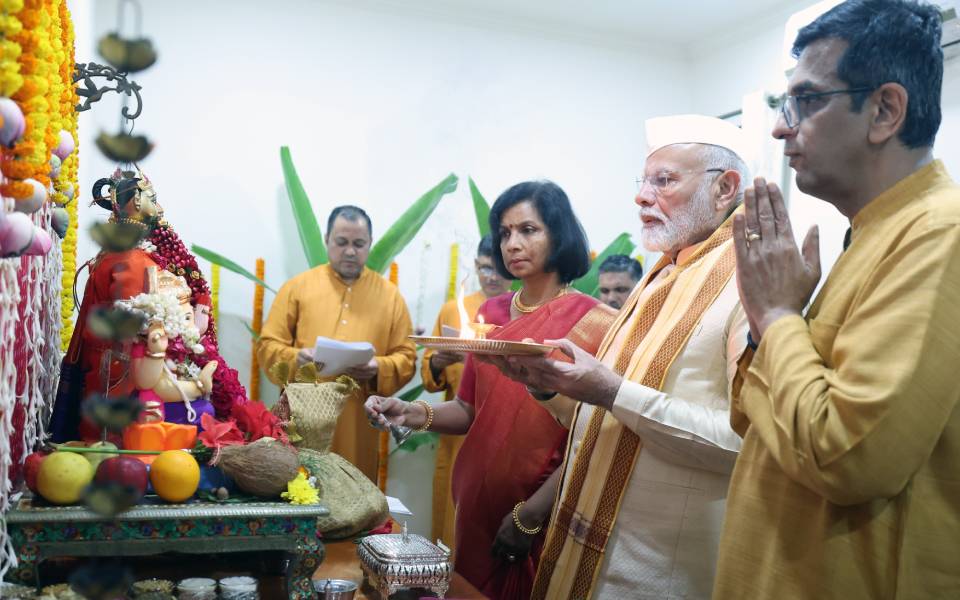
<point>529,308</point>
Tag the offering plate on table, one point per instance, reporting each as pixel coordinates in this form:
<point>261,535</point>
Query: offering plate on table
<point>395,561</point>
<point>483,346</point>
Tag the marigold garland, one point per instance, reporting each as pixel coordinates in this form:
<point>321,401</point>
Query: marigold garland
<point>36,67</point>
<point>257,326</point>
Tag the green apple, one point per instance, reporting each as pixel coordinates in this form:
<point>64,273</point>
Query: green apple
<point>96,458</point>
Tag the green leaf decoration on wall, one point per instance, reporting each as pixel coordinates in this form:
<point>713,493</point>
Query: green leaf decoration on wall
<point>228,264</point>
<point>311,236</point>
<point>480,207</point>
<point>590,283</point>
<point>406,227</point>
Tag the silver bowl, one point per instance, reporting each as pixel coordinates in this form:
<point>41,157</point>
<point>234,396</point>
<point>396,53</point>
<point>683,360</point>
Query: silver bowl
<point>335,589</point>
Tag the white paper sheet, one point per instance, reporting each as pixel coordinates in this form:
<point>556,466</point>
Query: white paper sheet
<point>336,357</point>
<point>396,507</point>
<point>447,331</point>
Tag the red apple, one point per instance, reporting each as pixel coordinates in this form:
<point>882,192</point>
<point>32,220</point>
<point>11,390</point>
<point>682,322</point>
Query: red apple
<point>125,471</point>
<point>31,466</point>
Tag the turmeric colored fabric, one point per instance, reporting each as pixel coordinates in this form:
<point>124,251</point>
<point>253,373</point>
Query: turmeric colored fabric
<point>846,486</point>
<point>318,303</point>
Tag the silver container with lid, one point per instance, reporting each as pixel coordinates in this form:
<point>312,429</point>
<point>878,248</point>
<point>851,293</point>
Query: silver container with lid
<point>396,561</point>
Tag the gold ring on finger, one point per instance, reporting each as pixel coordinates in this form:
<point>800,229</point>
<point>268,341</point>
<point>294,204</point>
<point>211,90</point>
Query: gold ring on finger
<point>753,236</point>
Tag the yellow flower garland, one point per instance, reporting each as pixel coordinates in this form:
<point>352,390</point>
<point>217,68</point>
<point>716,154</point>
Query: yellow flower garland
<point>69,171</point>
<point>36,69</point>
<point>454,265</point>
<point>257,326</point>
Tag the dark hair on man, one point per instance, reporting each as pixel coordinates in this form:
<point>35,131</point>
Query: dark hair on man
<point>889,41</point>
<point>621,263</point>
<point>485,247</point>
<point>350,213</point>
<point>569,256</point>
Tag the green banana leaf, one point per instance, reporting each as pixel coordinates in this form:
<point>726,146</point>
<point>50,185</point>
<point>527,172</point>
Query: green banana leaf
<point>412,394</point>
<point>228,264</point>
<point>415,441</point>
<point>480,207</point>
<point>406,227</point>
<point>253,334</point>
<point>311,237</point>
<point>590,283</point>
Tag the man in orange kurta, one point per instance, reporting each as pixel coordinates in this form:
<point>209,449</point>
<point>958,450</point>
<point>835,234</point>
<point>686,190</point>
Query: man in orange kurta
<point>441,372</point>
<point>345,301</point>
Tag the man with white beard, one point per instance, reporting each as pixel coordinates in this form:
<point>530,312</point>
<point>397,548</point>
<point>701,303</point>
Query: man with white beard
<point>651,447</point>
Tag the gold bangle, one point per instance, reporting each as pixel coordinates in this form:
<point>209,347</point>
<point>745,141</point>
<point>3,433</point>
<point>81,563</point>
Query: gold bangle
<point>156,354</point>
<point>426,406</point>
<point>516,521</point>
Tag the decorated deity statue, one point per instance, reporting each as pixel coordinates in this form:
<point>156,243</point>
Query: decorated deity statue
<point>92,363</point>
<point>172,389</point>
<point>96,365</point>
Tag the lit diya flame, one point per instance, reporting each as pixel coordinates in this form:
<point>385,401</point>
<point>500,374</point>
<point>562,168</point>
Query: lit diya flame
<point>473,331</point>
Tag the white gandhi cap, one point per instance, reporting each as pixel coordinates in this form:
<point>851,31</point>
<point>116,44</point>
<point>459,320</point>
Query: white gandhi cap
<point>695,129</point>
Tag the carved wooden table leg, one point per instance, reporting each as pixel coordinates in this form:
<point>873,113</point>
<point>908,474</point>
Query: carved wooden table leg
<point>304,562</point>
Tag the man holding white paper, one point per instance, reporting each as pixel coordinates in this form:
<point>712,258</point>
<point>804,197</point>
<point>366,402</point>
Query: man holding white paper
<point>346,302</point>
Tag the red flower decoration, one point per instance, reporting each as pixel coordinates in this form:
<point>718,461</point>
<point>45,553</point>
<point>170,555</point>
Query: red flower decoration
<point>256,422</point>
<point>217,434</point>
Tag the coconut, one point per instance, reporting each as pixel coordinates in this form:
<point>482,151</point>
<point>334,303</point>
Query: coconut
<point>262,468</point>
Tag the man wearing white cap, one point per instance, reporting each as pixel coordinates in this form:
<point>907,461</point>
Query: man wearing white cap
<point>651,448</point>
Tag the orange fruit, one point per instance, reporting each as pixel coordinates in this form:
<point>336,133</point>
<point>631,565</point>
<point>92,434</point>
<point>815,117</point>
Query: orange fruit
<point>175,475</point>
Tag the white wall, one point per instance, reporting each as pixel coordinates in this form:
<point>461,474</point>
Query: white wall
<point>377,107</point>
<point>735,63</point>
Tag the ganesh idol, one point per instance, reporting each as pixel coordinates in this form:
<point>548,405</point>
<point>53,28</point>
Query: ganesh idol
<point>158,264</point>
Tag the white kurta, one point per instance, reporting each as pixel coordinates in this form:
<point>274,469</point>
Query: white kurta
<point>664,543</point>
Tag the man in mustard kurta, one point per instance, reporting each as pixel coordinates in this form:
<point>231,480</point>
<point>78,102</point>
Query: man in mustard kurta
<point>441,372</point>
<point>847,484</point>
<point>344,300</point>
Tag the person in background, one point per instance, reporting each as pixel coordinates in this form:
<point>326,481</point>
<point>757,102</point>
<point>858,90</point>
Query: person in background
<point>618,275</point>
<point>344,300</point>
<point>505,477</point>
<point>847,485</point>
<point>441,372</point>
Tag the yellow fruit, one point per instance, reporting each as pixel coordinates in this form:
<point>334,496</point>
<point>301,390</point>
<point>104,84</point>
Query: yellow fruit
<point>62,477</point>
<point>175,475</point>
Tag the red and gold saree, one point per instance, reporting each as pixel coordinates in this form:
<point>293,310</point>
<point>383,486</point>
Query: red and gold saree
<point>514,444</point>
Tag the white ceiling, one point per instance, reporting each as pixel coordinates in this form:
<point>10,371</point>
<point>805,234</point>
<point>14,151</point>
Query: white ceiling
<point>635,22</point>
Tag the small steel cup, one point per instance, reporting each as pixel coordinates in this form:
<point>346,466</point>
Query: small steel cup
<point>335,589</point>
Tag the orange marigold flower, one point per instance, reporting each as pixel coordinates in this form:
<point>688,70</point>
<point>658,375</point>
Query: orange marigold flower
<point>17,190</point>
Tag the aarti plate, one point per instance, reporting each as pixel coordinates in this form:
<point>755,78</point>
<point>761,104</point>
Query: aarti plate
<point>484,346</point>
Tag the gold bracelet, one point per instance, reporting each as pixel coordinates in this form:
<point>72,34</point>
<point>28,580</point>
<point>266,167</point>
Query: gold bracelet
<point>156,354</point>
<point>426,405</point>
<point>516,521</point>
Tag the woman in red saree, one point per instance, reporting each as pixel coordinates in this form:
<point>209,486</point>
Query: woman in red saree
<point>506,470</point>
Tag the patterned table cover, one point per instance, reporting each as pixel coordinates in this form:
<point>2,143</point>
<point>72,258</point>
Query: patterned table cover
<point>42,532</point>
